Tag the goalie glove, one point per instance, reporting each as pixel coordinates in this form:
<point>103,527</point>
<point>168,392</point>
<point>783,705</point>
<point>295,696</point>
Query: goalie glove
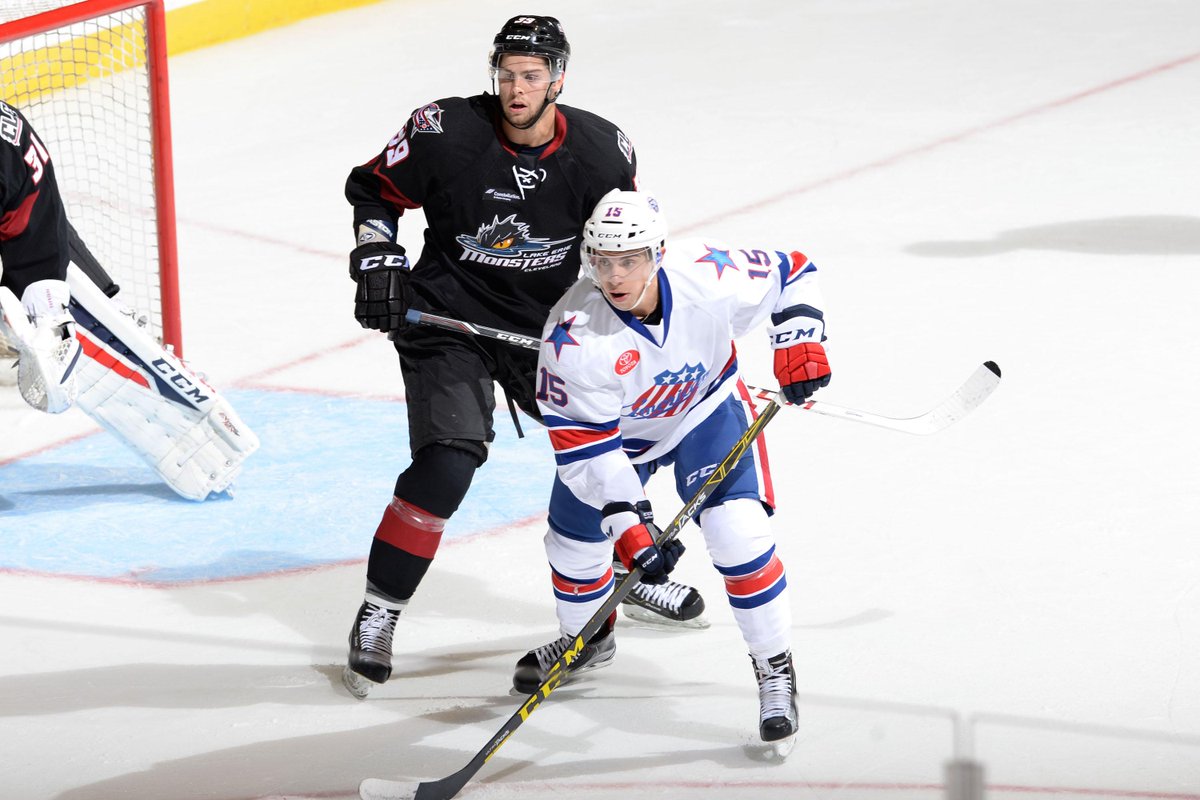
<point>632,526</point>
<point>43,332</point>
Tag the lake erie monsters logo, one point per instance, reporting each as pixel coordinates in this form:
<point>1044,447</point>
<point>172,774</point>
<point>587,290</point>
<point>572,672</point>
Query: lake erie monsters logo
<point>507,243</point>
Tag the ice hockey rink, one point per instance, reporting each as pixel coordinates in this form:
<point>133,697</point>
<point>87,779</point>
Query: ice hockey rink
<point>983,179</point>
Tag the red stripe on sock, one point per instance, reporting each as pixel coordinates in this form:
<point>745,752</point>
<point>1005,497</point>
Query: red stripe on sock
<point>570,587</point>
<point>756,582</point>
<point>411,529</point>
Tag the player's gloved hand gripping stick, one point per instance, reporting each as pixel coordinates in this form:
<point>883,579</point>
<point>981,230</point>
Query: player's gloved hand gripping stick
<point>380,789</point>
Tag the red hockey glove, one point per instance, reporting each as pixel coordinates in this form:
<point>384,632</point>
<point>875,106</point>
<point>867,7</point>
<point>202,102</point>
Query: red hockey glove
<point>632,526</point>
<point>801,370</point>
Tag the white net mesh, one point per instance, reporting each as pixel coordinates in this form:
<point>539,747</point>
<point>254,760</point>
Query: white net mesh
<point>85,87</point>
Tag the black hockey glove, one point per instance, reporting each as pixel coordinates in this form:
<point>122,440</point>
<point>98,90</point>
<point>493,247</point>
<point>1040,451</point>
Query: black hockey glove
<point>634,530</point>
<point>382,272</point>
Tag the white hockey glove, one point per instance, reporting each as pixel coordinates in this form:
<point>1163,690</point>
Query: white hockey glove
<point>43,332</point>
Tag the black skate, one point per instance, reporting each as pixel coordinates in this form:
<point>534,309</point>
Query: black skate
<point>535,665</point>
<point>670,604</point>
<point>777,701</point>
<point>370,660</point>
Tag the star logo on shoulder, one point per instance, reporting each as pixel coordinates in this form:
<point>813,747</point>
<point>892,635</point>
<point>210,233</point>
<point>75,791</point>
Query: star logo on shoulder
<point>561,336</point>
<point>718,258</point>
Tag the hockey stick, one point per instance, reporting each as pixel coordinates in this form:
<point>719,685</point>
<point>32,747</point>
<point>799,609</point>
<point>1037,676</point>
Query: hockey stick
<point>520,340</point>
<point>965,399</point>
<point>444,789</point>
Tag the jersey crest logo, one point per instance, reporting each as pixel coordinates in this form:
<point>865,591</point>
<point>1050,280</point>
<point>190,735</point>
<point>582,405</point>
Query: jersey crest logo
<point>672,392</point>
<point>507,243</point>
<point>427,119</point>
<point>625,146</point>
<point>626,362</point>
<point>10,125</point>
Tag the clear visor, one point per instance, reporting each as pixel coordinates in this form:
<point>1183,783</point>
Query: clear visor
<point>601,264</point>
<point>536,78</point>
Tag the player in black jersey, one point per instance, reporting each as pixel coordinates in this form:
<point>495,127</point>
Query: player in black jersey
<point>506,181</point>
<point>34,253</point>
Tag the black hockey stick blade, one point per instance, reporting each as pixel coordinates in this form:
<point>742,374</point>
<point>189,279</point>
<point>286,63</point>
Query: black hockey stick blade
<point>448,787</point>
<point>966,398</point>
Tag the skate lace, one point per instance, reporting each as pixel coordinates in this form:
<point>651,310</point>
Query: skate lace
<point>669,595</point>
<point>375,629</point>
<point>774,688</point>
<point>547,654</point>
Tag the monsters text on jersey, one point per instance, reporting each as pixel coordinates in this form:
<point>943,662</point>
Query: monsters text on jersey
<point>506,243</point>
<point>671,393</point>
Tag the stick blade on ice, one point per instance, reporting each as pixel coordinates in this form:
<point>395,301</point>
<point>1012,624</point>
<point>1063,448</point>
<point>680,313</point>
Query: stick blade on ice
<point>380,789</point>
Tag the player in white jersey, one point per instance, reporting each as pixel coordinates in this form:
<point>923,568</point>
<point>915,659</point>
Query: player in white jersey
<point>638,371</point>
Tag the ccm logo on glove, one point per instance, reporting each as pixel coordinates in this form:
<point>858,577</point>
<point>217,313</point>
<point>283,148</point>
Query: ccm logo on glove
<point>385,260</point>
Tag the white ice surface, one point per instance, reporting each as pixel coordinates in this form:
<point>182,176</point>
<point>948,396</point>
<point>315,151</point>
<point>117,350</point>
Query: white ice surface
<point>1008,180</point>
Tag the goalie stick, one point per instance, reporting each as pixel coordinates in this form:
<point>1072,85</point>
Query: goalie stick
<point>444,789</point>
<point>965,399</point>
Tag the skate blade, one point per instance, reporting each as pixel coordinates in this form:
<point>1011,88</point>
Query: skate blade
<point>650,618</point>
<point>356,684</point>
<point>782,749</point>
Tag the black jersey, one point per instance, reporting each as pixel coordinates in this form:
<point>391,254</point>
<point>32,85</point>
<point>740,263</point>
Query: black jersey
<point>33,224</point>
<point>503,222</point>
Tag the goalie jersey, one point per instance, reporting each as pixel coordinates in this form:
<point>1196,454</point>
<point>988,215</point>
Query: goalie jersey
<point>33,224</point>
<point>613,390</point>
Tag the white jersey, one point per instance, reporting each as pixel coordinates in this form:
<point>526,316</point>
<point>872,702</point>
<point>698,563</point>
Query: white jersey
<point>614,391</point>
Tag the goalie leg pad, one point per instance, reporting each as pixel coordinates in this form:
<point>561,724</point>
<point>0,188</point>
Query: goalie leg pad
<point>152,401</point>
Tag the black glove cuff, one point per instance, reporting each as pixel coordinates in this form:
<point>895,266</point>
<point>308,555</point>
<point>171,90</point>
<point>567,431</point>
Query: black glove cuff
<point>641,508</point>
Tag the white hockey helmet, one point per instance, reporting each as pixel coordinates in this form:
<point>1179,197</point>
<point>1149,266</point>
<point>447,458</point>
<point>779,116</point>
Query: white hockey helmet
<point>624,222</point>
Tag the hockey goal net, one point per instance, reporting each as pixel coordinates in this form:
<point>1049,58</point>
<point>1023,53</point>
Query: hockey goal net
<point>91,78</point>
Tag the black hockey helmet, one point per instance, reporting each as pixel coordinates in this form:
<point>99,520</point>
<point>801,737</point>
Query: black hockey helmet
<point>533,35</point>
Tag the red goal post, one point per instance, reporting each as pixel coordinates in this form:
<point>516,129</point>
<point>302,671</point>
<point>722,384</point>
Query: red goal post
<point>92,79</point>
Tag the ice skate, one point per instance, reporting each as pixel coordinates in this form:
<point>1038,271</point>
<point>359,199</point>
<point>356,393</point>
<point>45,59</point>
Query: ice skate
<point>667,605</point>
<point>777,701</point>
<point>370,659</point>
<point>535,665</point>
